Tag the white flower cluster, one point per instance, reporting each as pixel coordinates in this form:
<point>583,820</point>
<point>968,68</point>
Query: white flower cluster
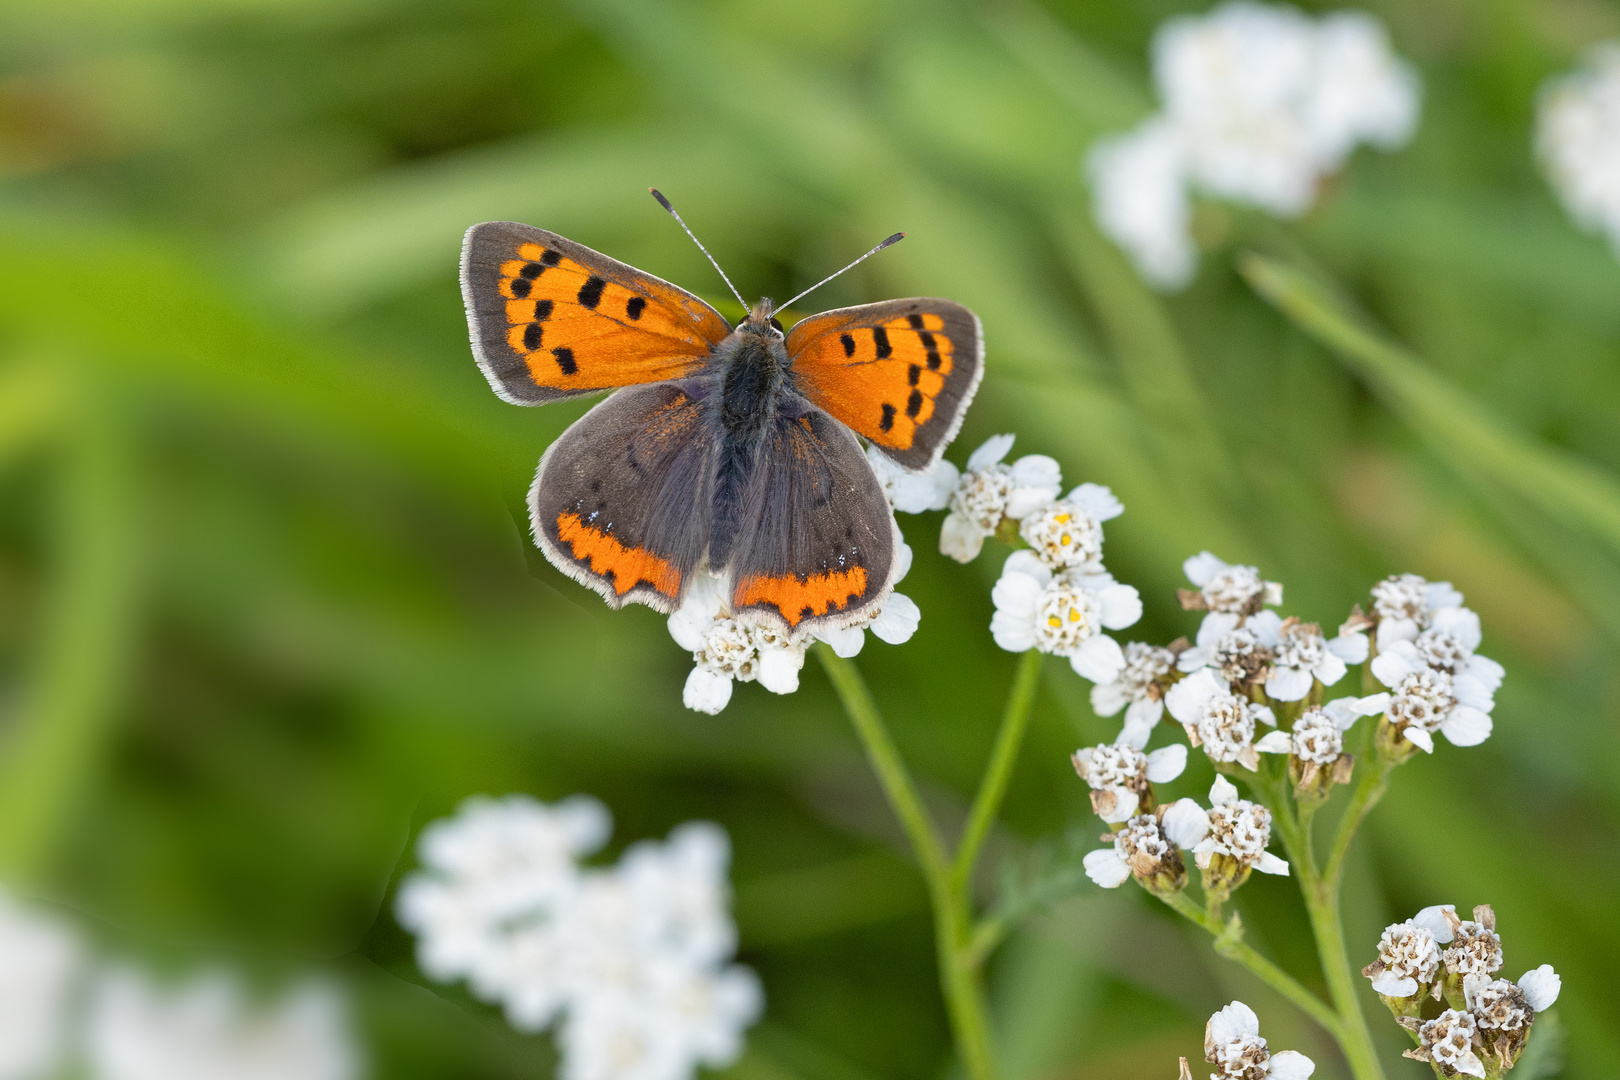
<point>1234,1045</point>
<point>1437,952</point>
<point>726,649</point>
<point>1578,141</point>
<point>54,1002</point>
<point>1232,829</point>
<point>1259,103</point>
<point>1437,682</point>
<point>633,959</point>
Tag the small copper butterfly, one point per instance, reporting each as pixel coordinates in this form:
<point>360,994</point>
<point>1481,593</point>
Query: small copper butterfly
<point>724,450</point>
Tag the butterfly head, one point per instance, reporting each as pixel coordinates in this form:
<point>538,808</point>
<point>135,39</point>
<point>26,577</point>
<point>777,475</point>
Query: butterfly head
<point>762,321</point>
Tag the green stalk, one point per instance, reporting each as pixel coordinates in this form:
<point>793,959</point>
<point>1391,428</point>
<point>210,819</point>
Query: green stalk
<point>964,998</point>
<point>1014,723</point>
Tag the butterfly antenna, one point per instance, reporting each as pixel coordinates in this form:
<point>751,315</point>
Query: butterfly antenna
<point>895,239</point>
<point>659,195</point>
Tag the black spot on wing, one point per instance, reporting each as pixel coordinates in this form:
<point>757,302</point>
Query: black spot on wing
<point>551,257</point>
<point>531,336</point>
<point>880,338</point>
<point>915,320</point>
<point>521,287</point>
<point>914,404</point>
<point>635,306</point>
<point>590,293</point>
<point>565,359</point>
<point>532,270</point>
<point>849,344</point>
<point>887,423</point>
<point>913,375</point>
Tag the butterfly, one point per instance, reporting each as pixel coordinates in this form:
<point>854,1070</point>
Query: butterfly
<point>722,450</point>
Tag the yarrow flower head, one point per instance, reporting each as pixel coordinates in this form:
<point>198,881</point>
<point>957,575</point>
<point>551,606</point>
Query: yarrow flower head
<point>1315,744</point>
<point>1218,720</point>
<point>1578,141</point>
<point>1138,689</point>
<point>1068,534</point>
<point>1260,102</point>
<point>1404,605</point>
<point>1063,614</point>
<point>1147,848</point>
<point>140,1031</point>
<point>1424,700</point>
<point>1409,955</point>
<point>1449,1041</point>
<point>1239,832</point>
<point>1121,776</point>
<point>989,492</point>
<point>1234,1045</point>
<point>633,957</point>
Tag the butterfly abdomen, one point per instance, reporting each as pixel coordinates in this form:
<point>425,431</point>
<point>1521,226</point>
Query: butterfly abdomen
<point>752,368</point>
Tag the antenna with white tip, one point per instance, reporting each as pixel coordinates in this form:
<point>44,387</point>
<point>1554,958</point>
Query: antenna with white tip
<point>895,239</point>
<point>665,204</point>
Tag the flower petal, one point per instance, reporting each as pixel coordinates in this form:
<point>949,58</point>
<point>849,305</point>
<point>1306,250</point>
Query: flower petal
<point>1392,985</point>
<point>706,691</point>
<point>1185,823</point>
<point>1466,726</point>
<point>1167,763</point>
<point>1345,711</point>
<point>1096,500</point>
<point>1040,472</point>
<point>1460,623</point>
<point>1398,661</point>
<point>903,556</point>
<point>1471,692</point>
<point>960,539</point>
<point>1106,868</point>
<point>1352,647</point>
<point>1432,920</point>
<point>1541,987</point>
<point>1108,698</point>
<point>1029,564</point>
<point>1201,567</point>
<point>897,620</point>
<point>991,451</point>
<point>1099,659</point>
<point>1419,738</point>
<point>1268,863</point>
<point>846,641</point>
<point>1276,742</point>
<point>779,669</point>
<point>1263,715</point>
<point>1487,671</point>
<point>1013,633</point>
<point>1124,806</point>
<point>1290,1065</point>
<point>1121,606</point>
<point>1288,684</point>
<point>1441,594</point>
<point>1016,594</point>
<point>1391,630</point>
<point>1216,625</point>
<point>1236,1021</point>
<point>1264,625</point>
<point>1185,700</point>
<point>1222,792</point>
<point>1330,670</point>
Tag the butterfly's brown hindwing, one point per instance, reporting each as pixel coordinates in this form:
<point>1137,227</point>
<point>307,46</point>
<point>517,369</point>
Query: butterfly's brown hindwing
<point>551,319</point>
<point>901,373</point>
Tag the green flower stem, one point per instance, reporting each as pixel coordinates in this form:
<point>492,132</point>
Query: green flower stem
<point>964,998</point>
<point>1369,789</point>
<point>1014,723</point>
<point>1230,944</point>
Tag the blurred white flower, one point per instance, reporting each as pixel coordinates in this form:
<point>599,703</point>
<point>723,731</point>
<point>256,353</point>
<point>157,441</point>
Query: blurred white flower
<point>1235,647</point>
<point>207,1031</point>
<point>1424,700</point>
<point>1137,691</point>
<point>1063,614</point>
<point>1145,847</point>
<point>1139,196</point>
<point>1448,645</point>
<point>990,491</point>
<point>1233,1044</point>
<point>1068,534</point>
<point>1317,736</point>
<point>1405,604</point>
<point>1226,589</point>
<point>41,960</point>
<point>1259,103</point>
<point>914,492</point>
<point>1578,141</point>
<point>1220,721</point>
<point>633,959</point>
<point>725,649</point>
<point>1238,830</point>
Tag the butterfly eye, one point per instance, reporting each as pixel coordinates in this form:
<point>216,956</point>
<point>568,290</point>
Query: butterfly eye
<point>776,326</point>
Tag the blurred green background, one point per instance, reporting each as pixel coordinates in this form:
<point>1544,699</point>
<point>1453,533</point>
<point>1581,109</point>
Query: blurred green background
<point>267,606</point>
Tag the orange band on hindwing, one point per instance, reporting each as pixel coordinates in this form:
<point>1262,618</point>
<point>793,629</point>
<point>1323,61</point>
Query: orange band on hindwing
<point>817,594</point>
<point>627,567</point>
